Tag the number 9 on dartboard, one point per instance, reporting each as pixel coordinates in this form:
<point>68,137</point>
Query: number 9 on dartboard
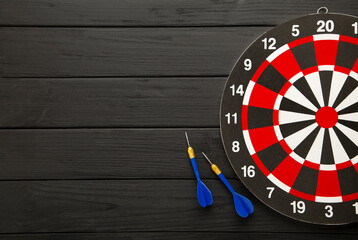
<point>289,118</point>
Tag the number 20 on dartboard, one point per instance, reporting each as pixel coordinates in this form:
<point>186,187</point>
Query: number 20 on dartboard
<point>288,118</point>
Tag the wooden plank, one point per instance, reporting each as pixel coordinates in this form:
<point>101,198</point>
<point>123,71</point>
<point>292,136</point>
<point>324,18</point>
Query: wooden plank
<point>107,153</point>
<point>174,235</point>
<point>110,102</point>
<point>135,205</point>
<point>106,52</point>
<point>161,13</point>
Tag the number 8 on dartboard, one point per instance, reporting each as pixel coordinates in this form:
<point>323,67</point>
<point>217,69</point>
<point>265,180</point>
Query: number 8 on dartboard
<point>289,118</point>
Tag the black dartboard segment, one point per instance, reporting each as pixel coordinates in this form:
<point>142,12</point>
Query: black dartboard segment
<point>289,118</point>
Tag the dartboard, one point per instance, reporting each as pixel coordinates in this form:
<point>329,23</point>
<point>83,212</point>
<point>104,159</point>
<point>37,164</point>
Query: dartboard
<point>289,118</point>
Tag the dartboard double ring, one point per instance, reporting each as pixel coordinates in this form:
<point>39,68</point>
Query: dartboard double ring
<point>289,118</point>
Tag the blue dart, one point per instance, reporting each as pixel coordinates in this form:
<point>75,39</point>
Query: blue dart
<point>243,205</point>
<point>202,192</point>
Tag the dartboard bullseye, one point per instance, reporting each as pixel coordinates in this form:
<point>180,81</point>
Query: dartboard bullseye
<point>289,118</point>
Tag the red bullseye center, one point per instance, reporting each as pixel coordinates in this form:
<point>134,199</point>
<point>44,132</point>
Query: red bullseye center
<point>326,117</point>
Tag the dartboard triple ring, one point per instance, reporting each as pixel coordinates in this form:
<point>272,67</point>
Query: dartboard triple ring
<point>289,118</point>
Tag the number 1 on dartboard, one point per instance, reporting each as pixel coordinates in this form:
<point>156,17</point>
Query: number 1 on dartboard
<point>356,207</point>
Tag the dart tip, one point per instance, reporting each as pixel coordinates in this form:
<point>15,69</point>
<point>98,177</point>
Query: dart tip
<point>207,158</point>
<point>187,139</point>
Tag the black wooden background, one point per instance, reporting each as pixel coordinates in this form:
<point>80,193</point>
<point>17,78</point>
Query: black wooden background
<point>95,96</point>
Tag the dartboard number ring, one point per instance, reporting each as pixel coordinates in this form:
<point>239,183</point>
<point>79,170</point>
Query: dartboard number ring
<point>289,118</point>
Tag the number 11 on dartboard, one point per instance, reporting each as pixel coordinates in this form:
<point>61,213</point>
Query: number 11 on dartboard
<point>289,118</point>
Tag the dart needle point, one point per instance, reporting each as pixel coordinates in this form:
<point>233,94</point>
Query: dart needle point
<point>187,139</point>
<point>207,158</point>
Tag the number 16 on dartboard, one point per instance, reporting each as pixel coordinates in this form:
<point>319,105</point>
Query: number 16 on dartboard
<point>289,118</point>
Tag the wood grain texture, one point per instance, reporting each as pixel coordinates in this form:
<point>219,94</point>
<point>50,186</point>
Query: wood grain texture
<point>107,153</point>
<point>110,102</point>
<point>80,52</point>
<point>127,78</point>
<point>161,12</point>
<point>135,205</point>
<point>175,235</point>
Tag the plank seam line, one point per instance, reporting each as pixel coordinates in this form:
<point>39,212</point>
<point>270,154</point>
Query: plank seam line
<point>138,26</point>
<point>131,128</point>
<point>111,179</point>
<point>324,231</point>
<point>124,76</point>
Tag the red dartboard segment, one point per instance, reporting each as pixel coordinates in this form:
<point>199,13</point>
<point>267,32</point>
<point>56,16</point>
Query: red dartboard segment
<point>300,41</point>
<point>286,64</point>
<point>244,117</point>
<point>356,167</point>
<point>262,97</point>
<point>310,70</point>
<point>355,66</point>
<point>277,105</point>
<point>348,39</point>
<point>302,195</point>
<point>262,138</point>
<point>275,120</point>
<point>350,197</point>
<point>344,165</point>
<point>285,146</point>
<point>342,70</point>
<point>261,166</point>
<point>287,171</point>
<point>285,88</point>
<point>326,51</point>
<point>259,71</point>
<point>328,184</point>
<point>311,165</point>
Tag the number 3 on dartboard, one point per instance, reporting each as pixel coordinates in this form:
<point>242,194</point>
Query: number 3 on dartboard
<point>329,212</point>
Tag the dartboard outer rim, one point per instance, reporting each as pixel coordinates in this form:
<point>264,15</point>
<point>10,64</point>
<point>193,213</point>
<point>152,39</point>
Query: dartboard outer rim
<point>221,127</point>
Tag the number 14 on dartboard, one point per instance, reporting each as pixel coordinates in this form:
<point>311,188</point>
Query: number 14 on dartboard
<point>289,118</point>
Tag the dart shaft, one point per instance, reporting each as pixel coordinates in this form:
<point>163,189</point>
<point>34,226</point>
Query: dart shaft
<point>193,162</point>
<point>217,171</point>
<point>226,182</point>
